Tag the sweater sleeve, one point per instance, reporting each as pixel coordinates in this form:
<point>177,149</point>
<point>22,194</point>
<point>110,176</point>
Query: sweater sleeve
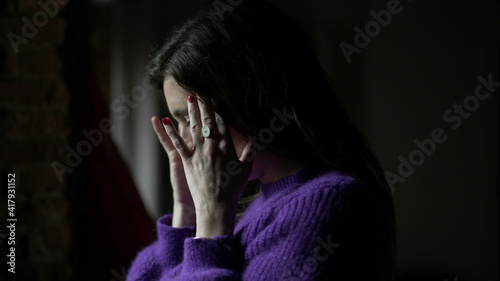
<point>177,255</point>
<point>163,255</point>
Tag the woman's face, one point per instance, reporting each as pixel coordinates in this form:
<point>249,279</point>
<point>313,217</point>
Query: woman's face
<point>263,162</point>
<point>176,98</point>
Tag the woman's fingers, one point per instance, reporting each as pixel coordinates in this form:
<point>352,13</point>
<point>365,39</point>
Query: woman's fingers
<point>221,125</point>
<point>162,135</point>
<point>169,137</point>
<point>194,119</point>
<point>207,118</point>
<point>199,116</point>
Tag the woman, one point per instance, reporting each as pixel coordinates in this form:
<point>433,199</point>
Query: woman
<point>250,102</point>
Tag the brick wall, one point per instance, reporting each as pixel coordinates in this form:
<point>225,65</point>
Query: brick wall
<point>33,134</point>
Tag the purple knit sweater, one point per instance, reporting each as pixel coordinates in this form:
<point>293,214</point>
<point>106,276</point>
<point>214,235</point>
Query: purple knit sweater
<point>308,226</point>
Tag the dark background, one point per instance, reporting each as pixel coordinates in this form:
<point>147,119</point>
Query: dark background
<point>92,55</point>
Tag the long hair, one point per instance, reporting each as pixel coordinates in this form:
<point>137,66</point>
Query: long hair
<point>252,64</point>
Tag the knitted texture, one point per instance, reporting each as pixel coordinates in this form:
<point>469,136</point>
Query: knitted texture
<point>312,225</point>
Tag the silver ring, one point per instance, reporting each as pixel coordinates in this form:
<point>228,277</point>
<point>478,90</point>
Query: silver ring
<point>206,132</point>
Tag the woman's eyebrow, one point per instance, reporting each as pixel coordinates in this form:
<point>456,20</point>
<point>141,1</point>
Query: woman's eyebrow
<point>179,112</point>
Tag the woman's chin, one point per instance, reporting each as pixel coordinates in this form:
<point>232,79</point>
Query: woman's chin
<point>254,175</point>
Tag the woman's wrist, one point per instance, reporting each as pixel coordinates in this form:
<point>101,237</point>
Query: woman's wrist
<point>215,223</point>
<point>206,228</point>
<point>183,215</point>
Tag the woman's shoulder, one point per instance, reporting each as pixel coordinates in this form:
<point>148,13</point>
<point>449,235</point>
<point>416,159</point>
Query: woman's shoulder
<point>331,186</point>
<point>313,200</point>
<point>331,181</point>
<point>311,193</point>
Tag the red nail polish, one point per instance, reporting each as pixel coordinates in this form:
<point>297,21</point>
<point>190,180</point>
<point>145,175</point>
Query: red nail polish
<point>166,121</point>
<point>191,99</point>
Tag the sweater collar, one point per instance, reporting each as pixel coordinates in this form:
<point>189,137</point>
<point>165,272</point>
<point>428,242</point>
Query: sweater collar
<point>290,182</point>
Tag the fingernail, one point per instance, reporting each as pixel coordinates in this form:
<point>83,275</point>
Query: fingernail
<point>191,99</point>
<point>166,121</point>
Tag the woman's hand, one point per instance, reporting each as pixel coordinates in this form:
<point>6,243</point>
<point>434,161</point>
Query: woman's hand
<point>184,212</point>
<point>214,173</point>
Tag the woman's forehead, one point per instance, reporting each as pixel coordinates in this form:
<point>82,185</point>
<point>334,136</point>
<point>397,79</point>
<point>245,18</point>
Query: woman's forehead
<point>176,96</point>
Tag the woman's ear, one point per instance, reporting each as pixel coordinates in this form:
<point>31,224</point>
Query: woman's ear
<point>248,154</point>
